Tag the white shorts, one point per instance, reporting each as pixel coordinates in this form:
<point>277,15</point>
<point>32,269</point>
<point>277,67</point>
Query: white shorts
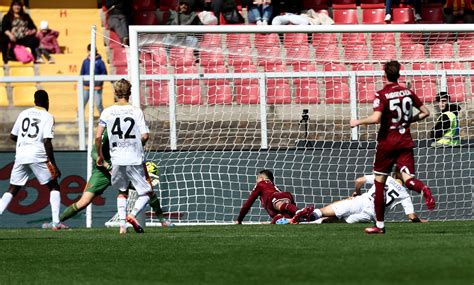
<point>122,175</point>
<point>44,172</point>
<point>354,210</point>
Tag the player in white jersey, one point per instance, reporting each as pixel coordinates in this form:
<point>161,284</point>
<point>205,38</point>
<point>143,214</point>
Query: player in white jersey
<point>128,133</point>
<point>360,208</point>
<point>33,132</point>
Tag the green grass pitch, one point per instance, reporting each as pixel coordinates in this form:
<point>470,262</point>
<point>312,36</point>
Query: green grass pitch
<point>431,253</point>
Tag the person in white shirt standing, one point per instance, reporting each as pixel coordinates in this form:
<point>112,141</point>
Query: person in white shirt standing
<point>33,132</point>
<point>128,133</point>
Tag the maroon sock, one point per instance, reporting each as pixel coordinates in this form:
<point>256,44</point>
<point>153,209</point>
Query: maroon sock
<point>379,201</point>
<point>415,184</point>
<point>290,208</point>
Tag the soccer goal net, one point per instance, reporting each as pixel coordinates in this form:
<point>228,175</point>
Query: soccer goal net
<point>224,102</point>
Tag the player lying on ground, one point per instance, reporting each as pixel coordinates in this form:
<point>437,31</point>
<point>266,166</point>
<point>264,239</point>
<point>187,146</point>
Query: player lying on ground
<point>33,132</point>
<point>128,133</point>
<point>360,208</point>
<point>277,204</point>
<point>393,109</point>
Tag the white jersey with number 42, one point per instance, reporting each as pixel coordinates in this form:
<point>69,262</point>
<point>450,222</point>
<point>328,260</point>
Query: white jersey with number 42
<point>394,194</point>
<point>31,127</point>
<point>125,125</point>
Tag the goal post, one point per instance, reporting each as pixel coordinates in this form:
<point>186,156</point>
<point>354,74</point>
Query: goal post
<point>226,101</point>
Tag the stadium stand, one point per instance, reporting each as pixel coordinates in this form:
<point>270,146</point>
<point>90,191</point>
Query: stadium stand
<point>3,96</point>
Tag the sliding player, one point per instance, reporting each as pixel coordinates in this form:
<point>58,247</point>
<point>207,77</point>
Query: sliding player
<point>393,108</point>
<point>277,204</point>
<point>360,208</point>
<point>33,132</point>
<point>128,133</point>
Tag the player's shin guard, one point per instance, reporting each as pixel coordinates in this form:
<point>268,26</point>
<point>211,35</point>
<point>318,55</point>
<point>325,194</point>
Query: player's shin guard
<point>140,204</point>
<point>415,184</point>
<point>155,205</point>
<point>55,201</point>
<point>289,208</point>
<point>379,203</point>
<point>122,208</point>
<point>70,212</point>
<point>5,201</point>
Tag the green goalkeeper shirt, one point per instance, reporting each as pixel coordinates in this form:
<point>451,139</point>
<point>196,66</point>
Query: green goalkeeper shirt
<point>105,150</point>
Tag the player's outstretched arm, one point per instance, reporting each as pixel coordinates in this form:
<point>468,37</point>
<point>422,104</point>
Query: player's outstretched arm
<point>415,219</point>
<point>424,113</point>
<point>359,182</point>
<point>375,118</point>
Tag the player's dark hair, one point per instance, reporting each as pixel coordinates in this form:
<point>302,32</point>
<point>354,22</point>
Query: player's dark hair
<point>442,95</point>
<point>392,70</point>
<point>268,174</point>
<point>42,99</point>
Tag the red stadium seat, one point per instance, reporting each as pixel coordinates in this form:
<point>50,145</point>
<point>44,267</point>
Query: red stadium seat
<point>181,56</point>
<point>295,40</point>
<point>403,16</point>
<point>241,56</point>
<point>216,69</point>
<point>353,38</point>
<point>276,68</point>
<point>188,94</point>
<point>384,52</point>
<point>344,4</point>
<point>298,55</point>
<point>278,93</point>
<point>266,40</point>
<point>246,69</point>
<point>114,41</point>
<point>211,58</point>
<point>424,66</point>
<point>248,94</point>
<point>373,16</point>
<point>411,38</point>
<point>337,93</point>
<point>442,51</point>
<point>343,16</point>
<point>334,67</point>
<point>156,69</point>
<point>327,53</point>
<point>315,4</point>
<point>465,49</point>
<point>219,95</point>
<point>145,18</point>
<point>154,56</point>
<point>356,52</point>
<point>382,39</point>
<point>166,5</point>
<point>144,5</point>
<point>324,39</point>
<point>366,92</point>
<point>158,93</point>
<point>269,56</point>
<point>372,4</point>
<point>306,93</point>
<point>305,80</point>
<point>119,56</point>
<point>364,67</point>
<point>457,91</point>
<point>411,52</point>
<point>425,90</point>
<point>305,68</point>
<point>454,66</point>
<point>186,70</point>
<point>237,40</point>
<point>432,15</point>
<point>211,41</point>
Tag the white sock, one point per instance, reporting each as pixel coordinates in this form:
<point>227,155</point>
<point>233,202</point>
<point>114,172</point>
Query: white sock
<point>122,208</point>
<point>317,213</point>
<point>55,201</point>
<point>380,225</point>
<point>5,201</point>
<point>140,204</point>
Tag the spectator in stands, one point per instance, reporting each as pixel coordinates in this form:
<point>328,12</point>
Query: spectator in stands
<point>48,43</point>
<point>446,129</point>
<point>17,28</point>
<point>184,15</point>
<point>119,17</point>
<point>310,17</point>
<point>415,3</point>
<point>259,11</point>
<point>455,10</point>
<point>100,69</point>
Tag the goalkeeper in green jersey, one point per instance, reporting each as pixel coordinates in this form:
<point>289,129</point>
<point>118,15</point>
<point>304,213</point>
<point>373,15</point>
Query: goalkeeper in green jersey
<point>100,180</point>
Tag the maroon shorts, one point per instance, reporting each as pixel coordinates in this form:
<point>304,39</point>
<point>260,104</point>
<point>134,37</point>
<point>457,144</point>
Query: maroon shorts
<point>385,159</point>
<point>283,196</point>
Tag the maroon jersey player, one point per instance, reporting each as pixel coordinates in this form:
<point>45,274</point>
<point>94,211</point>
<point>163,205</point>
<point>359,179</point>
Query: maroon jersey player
<point>277,204</point>
<point>393,109</point>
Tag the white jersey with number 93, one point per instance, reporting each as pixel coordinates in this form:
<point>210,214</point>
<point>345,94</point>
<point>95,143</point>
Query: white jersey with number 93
<point>125,125</point>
